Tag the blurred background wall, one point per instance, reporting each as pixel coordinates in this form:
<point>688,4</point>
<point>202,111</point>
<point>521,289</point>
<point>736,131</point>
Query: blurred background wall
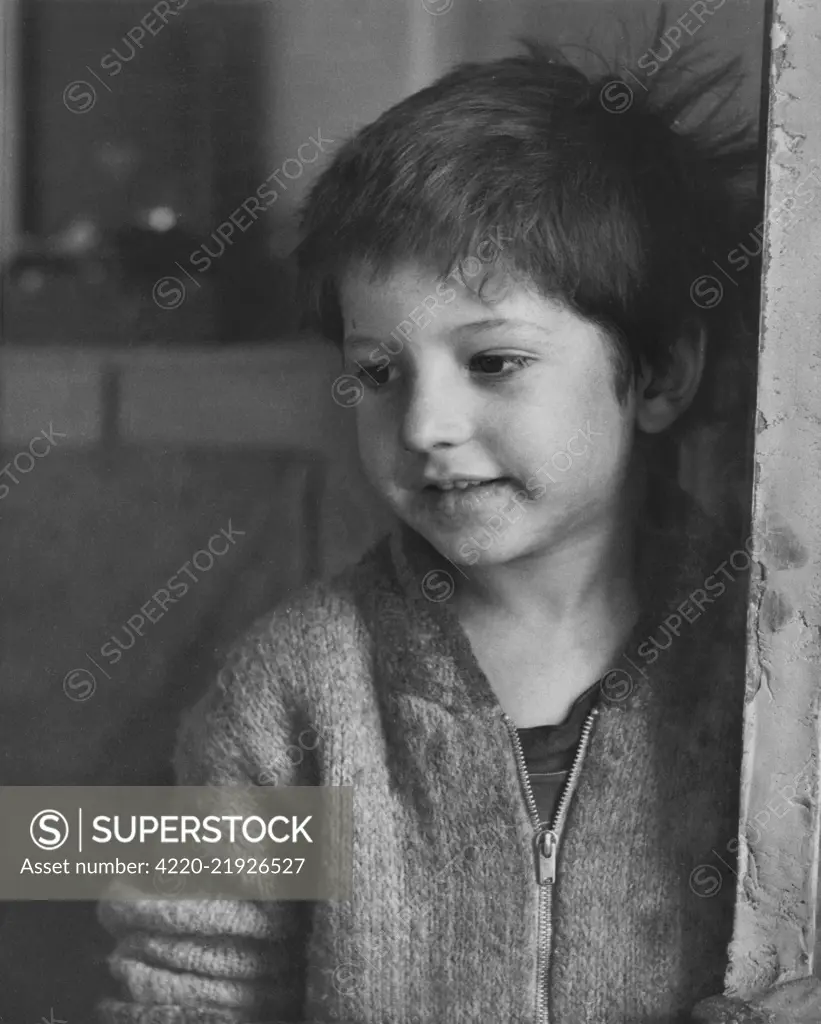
<point>141,131</point>
<point>160,365</point>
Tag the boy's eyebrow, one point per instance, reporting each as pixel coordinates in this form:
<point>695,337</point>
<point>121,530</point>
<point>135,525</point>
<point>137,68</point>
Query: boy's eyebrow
<point>474,327</point>
<point>480,326</point>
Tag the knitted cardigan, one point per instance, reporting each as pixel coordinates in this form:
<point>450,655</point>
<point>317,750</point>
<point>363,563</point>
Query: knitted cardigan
<point>443,924</point>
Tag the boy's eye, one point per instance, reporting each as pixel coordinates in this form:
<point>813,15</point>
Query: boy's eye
<point>492,364</point>
<point>375,375</point>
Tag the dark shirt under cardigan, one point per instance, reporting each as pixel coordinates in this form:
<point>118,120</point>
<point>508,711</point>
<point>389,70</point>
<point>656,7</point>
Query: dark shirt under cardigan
<point>549,751</point>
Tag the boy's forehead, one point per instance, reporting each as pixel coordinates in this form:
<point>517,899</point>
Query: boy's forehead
<point>411,304</point>
<point>375,298</point>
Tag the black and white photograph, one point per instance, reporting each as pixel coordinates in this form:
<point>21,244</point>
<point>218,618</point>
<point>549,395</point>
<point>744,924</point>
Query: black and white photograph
<point>410,512</point>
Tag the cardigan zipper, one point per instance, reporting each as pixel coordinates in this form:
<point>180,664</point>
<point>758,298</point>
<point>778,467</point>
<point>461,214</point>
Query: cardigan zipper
<point>546,838</point>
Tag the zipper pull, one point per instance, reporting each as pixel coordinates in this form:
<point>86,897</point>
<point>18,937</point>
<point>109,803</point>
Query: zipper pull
<point>546,843</point>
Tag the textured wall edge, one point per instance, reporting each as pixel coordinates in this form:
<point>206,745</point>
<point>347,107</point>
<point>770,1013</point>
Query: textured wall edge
<point>775,929</point>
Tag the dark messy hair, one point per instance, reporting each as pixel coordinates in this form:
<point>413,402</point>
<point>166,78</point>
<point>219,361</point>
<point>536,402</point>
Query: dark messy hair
<point>606,200</point>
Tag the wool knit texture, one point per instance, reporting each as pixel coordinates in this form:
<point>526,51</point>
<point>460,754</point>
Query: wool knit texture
<point>443,924</point>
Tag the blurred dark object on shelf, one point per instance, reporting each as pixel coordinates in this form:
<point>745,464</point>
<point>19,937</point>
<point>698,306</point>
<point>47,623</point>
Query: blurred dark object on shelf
<point>90,287</point>
<point>119,191</point>
<point>136,286</point>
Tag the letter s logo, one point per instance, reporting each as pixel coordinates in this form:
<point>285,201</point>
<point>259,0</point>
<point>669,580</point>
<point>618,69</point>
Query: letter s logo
<point>48,830</point>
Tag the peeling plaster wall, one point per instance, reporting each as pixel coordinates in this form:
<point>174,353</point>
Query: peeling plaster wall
<point>775,934</point>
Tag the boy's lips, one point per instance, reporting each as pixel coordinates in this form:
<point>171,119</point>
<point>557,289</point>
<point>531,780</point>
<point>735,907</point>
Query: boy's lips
<point>460,482</point>
<point>448,500</point>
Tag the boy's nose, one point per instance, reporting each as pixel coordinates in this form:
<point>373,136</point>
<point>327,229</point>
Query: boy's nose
<point>436,416</point>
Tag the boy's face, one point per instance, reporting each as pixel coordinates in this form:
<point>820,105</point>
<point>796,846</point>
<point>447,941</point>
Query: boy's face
<point>491,429</point>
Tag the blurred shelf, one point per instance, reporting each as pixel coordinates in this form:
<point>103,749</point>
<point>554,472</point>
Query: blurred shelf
<point>273,395</point>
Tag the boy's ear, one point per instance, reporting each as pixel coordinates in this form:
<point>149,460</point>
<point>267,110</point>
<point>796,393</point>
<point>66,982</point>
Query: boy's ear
<point>662,398</point>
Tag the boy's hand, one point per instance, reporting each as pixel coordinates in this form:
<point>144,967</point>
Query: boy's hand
<point>797,1002</point>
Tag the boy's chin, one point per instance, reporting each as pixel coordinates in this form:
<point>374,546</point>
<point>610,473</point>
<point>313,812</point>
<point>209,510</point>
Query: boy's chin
<point>465,550</point>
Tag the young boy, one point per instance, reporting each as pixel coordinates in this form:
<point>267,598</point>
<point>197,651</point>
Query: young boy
<point>535,683</point>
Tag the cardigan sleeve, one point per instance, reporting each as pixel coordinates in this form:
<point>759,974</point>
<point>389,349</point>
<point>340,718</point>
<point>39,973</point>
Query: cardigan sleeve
<point>227,961</point>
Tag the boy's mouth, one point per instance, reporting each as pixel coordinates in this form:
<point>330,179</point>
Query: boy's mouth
<point>460,498</point>
<point>462,483</point>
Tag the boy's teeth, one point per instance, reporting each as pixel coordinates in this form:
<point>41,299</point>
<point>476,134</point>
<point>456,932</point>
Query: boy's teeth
<point>461,484</point>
